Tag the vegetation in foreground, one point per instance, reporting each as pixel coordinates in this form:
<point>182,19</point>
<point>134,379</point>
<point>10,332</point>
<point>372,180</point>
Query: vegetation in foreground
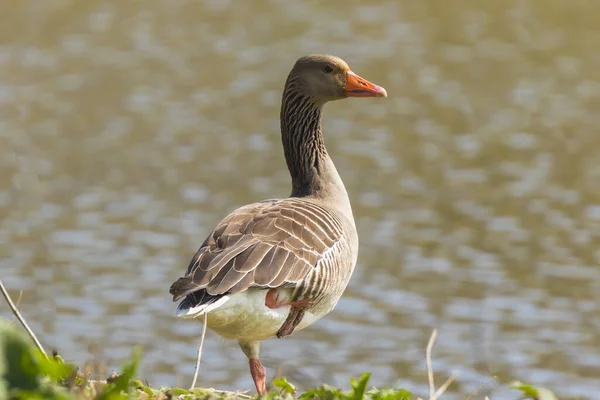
<point>28,374</point>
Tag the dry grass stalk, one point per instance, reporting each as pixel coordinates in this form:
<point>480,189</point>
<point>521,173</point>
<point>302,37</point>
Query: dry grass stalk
<point>19,298</point>
<point>480,387</point>
<point>433,394</point>
<point>20,318</point>
<point>197,370</point>
<point>17,302</point>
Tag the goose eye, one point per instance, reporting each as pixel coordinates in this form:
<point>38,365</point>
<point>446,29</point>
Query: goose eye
<point>328,69</point>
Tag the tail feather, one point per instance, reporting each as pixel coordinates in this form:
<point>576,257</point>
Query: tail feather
<point>198,303</point>
<point>183,287</point>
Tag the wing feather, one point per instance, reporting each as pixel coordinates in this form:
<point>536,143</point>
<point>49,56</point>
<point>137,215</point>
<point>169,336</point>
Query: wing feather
<point>267,271</point>
<point>268,244</point>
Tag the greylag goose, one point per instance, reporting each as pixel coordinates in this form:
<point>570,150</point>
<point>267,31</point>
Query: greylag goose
<point>274,267</point>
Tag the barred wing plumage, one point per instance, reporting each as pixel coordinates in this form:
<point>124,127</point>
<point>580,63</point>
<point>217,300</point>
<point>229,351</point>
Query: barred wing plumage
<point>270,244</point>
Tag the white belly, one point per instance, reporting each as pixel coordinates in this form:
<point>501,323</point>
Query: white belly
<point>246,317</point>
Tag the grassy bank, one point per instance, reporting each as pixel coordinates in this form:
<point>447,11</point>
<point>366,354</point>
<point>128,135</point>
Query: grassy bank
<point>28,374</point>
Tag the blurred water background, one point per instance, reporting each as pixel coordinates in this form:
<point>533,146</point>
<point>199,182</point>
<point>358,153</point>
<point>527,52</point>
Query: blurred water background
<point>129,128</point>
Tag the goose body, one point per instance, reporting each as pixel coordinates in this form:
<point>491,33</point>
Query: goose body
<point>275,267</point>
<point>245,317</point>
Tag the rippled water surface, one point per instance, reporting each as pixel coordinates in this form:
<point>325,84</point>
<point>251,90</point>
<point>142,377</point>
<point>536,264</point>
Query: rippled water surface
<point>128,129</point>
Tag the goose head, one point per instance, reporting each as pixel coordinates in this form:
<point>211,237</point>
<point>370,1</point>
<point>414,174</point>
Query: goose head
<point>327,78</point>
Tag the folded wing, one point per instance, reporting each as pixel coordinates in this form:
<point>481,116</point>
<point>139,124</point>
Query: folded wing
<point>274,243</point>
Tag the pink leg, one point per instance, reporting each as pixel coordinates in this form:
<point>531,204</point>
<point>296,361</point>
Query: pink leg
<point>258,372</point>
<point>273,301</point>
<point>259,375</point>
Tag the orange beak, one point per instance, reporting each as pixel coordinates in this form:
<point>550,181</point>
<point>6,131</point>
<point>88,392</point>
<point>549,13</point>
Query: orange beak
<point>359,87</point>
